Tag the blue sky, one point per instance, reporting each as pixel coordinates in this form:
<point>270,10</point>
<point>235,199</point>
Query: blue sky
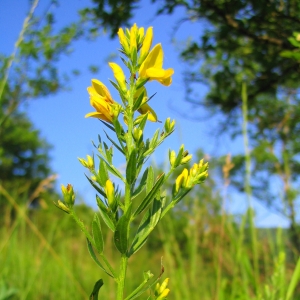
<point>60,118</point>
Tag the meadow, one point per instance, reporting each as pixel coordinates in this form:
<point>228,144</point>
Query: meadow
<point>206,253</point>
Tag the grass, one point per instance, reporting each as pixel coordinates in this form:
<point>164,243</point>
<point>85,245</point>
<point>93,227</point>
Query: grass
<point>211,257</point>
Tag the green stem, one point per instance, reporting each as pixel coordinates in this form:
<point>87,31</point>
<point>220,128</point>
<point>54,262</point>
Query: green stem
<point>90,238</point>
<point>122,277</point>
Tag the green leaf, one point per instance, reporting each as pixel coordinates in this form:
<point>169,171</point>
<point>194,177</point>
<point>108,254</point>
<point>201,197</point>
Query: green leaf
<point>154,139</point>
<point>97,234</point>
<point>294,281</point>
<point>150,196</point>
<point>150,180</point>
<point>143,122</point>
<point>141,83</point>
<point>103,174</point>
<point>114,143</point>
<point>107,125</point>
<point>141,185</point>
<point>146,226</point>
<point>122,232</point>
<point>95,292</point>
<point>138,102</point>
<point>106,215</point>
<point>94,185</point>
<point>119,131</point>
<point>179,157</point>
<point>131,167</point>
<point>112,169</point>
<point>108,153</point>
<point>94,257</point>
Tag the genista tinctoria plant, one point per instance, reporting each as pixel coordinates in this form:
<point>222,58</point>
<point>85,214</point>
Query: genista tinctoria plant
<point>127,119</point>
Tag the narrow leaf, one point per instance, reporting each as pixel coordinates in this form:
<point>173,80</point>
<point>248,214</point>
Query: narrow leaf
<point>143,122</point>
<point>121,233</point>
<point>146,226</point>
<point>141,185</point>
<point>294,281</point>
<point>131,167</point>
<point>97,234</point>
<point>107,216</point>
<point>107,125</point>
<point>179,157</point>
<point>103,174</point>
<point>154,139</point>
<point>94,185</point>
<point>114,143</point>
<point>96,289</point>
<point>150,180</point>
<point>94,257</point>
<point>150,196</point>
<point>138,102</point>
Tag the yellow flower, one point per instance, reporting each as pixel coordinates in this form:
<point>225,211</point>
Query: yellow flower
<point>119,75</point>
<point>152,67</point>
<point>145,108</point>
<point>101,100</point>
<point>133,38</point>
<point>146,44</point>
<point>181,180</point>
<point>123,40</point>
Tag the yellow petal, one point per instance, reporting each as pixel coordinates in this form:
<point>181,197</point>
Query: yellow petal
<point>133,37</point>
<point>123,40</point>
<point>145,108</point>
<point>119,75</point>
<point>99,88</point>
<point>146,44</point>
<point>98,116</point>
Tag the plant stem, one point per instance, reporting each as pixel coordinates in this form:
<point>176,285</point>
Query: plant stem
<point>122,277</point>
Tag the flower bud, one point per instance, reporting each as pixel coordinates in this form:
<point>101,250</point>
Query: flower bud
<point>156,291</point>
<point>123,40</point>
<point>163,285</point>
<point>68,194</point>
<point>169,126</point>
<point>119,76</point>
<point>186,159</point>
<point>164,294</point>
<point>110,192</point>
<point>172,157</point>
<point>137,134</point>
<point>89,163</point>
<point>194,170</point>
<point>181,180</point>
<point>62,206</point>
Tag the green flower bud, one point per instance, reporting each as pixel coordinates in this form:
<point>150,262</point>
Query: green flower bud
<point>68,194</point>
<point>137,134</point>
<point>172,157</point>
<point>89,163</point>
<point>169,126</point>
<point>62,206</point>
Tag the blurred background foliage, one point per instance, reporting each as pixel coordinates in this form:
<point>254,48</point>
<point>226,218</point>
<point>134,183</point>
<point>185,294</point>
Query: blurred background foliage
<point>206,251</point>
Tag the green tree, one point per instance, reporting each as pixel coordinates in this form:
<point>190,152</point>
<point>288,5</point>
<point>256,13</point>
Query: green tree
<point>31,72</point>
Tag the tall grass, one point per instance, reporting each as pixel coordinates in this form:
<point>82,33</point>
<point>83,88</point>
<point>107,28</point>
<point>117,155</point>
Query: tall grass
<point>210,257</point>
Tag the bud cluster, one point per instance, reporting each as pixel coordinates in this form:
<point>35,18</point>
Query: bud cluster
<point>69,199</point>
<point>187,179</point>
<point>181,158</point>
<point>161,291</point>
